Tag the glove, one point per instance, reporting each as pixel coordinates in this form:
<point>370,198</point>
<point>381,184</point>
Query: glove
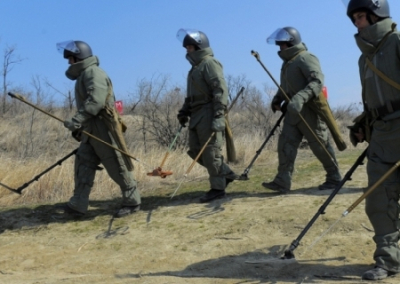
<point>296,104</point>
<point>218,122</point>
<point>72,124</point>
<point>284,107</point>
<point>352,136</point>
<point>276,102</point>
<point>77,135</point>
<point>183,118</point>
<point>361,130</point>
<point>356,134</point>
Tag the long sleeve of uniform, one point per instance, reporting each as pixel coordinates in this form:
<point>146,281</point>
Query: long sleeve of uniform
<point>94,83</point>
<point>311,70</point>
<point>214,77</point>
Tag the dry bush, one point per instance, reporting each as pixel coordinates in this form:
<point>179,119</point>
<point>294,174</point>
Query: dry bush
<point>31,141</point>
<point>155,107</point>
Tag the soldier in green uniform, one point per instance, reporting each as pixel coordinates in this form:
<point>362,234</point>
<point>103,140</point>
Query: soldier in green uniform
<point>205,104</point>
<point>379,67</point>
<point>95,104</point>
<point>302,80</point>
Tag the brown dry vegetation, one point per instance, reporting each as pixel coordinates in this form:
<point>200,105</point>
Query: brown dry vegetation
<point>237,239</point>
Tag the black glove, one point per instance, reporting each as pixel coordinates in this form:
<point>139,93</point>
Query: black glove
<point>183,118</point>
<point>284,107</point>
<point>276,102</point>
<point>77,135</point>
<point>356,130</point>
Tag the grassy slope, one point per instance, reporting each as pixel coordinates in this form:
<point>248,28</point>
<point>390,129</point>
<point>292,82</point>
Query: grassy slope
<point>182,241</point>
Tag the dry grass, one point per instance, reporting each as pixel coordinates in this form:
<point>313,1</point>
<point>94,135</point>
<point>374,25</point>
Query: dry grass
<point>179,240</point>
<point>57,185</point>
<point>31,142</point>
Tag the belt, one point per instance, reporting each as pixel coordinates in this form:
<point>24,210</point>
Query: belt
<point>388,108</point>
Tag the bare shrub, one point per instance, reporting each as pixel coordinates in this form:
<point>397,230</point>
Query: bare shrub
<point>30,141</point>
<point>9,60</point>
<point>157,104</point>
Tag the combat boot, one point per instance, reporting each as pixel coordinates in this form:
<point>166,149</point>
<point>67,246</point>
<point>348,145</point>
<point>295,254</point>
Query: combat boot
<point>211,195</point>
<point>66,210</point>
<point>126,210</point>
<point>230,178</point>
<point>275,187</point>
<point>376,273</point>
<point>228,181</point>
<point>328,185</point>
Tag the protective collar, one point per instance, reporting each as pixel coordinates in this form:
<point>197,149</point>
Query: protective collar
<point>368,38</point>
<point>75,69</point>
<point>197,56</point>
<point>292,51</point>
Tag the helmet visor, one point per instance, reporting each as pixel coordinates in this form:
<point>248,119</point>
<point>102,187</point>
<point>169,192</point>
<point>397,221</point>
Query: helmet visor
<point>279,35</point>
<point>67,45</point>
<point>194,34</point>
<point>346,3</point>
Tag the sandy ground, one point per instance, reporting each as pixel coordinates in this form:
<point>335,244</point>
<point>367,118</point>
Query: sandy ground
<point>237,239</point>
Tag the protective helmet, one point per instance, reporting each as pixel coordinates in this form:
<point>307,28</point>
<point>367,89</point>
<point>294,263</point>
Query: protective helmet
<point>289,35</point>
<point>193,37</point>
<point>77,49</point>
<point>379,8</point>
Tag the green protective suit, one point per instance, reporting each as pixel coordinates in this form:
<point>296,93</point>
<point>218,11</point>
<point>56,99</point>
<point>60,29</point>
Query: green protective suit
<point>302,80</point>
<point>91,92</point>
<point>207,94</point>
<point>382,206</point>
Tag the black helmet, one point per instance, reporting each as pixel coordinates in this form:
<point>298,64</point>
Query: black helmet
<point>379,8</point>
<point>78,49</point>
<point>288,35</point>
<point>193,37</point>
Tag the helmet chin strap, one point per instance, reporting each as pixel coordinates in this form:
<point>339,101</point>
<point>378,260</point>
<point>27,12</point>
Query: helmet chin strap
<point>369,19</point>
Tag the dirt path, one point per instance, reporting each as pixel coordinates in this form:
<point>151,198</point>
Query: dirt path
<point>238,239</point>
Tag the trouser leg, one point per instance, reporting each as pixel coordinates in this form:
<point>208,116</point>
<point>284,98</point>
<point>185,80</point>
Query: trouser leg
<point>115,166</point>
<point>288,143</point>
<point>330,165</point>
<point>85,166</point>
<point>211,158</point>
<point>382,209</point>
<point>325,156</point>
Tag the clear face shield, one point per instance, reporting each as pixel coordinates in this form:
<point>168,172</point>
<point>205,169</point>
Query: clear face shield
<point>279,35</point>
<point>67,45</point>
<point>346,3</point>
<point>194,34</point>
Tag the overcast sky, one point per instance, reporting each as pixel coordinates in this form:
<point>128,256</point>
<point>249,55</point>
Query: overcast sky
<point>136,39</point>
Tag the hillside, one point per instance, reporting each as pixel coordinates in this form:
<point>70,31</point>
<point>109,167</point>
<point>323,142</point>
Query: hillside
<point>237,239</point>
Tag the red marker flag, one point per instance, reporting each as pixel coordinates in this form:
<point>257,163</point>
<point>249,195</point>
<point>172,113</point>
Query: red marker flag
<point>119,106</point>
<point>325,91</point>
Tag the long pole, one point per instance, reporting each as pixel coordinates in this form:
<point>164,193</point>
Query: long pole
<point>193,163</point>
<point>257,56</point>
<point>289,253</point>
<point>205,145</point>
<point>22,99</point>
<point>170,147</point>
<point>371,189</point>
<point>36,178</point>
<point>359,200</point>
<point>244,175</point>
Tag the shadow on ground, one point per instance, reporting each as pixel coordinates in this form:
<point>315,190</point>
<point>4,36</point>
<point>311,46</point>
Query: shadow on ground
<point>265,267</point>
<point>36,216</point>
